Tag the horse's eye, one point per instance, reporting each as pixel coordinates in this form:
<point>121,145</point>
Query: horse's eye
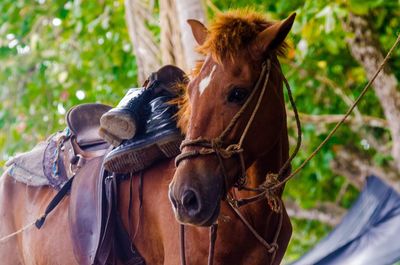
<point>237,95</point>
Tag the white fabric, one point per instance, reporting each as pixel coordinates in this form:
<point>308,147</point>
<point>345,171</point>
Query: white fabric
<point>28,167</point>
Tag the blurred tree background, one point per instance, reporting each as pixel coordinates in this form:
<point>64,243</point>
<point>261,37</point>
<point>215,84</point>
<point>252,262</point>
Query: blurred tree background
<point>56,54</point>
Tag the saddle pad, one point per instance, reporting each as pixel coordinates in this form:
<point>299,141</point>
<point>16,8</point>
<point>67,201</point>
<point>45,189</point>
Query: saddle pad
<point>53,163</point>
<point>27,167</point>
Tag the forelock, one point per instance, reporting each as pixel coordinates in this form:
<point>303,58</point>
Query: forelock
<point>231,32</point>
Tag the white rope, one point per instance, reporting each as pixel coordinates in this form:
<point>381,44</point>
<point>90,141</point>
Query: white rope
<point>5,238</point>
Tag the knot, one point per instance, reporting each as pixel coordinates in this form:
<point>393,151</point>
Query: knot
<point>273,247</point>
<point>40,221</point>
<point>216,145</point>
<point>271,180</point>
<point>206,151</point>
<point>271,194</point>
<point>234,148</point>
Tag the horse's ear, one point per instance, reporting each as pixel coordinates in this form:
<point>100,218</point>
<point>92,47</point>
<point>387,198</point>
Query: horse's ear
<point>199,30</point>
<point>273,36</point>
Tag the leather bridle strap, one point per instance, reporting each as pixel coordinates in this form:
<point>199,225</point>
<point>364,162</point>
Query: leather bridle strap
<point>213,238</point>
<point>211,250</point>
<point>182,243</point>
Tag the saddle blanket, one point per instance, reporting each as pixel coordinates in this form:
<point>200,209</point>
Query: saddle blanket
<point>27,167</point>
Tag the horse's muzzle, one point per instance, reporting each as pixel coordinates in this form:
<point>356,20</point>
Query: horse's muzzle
<point>192,206</point>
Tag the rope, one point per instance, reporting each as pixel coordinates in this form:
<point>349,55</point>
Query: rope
<point>271,247</point>
<point>349,111</point>
<point>286,166</point>
<point>267,191</point>
<point>4,239</point>
<point>211,249</point>
<point>235,119</point>
<point>258,104</point>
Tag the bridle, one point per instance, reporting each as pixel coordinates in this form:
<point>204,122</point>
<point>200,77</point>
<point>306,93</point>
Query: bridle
<point>203,146</point>
<point>215,146</point>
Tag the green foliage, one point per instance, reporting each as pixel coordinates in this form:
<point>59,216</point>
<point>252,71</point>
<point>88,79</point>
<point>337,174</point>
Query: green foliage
<point>306,235</point>
<point>56,54</point>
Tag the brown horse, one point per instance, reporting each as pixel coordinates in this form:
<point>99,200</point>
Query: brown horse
<point>236,46</point>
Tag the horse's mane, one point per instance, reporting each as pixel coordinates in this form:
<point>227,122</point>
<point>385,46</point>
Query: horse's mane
<point>229,33</point>
<point>232,31</point>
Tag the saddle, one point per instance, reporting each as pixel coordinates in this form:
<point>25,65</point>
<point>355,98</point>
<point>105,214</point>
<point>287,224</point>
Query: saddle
<point>73,162</point>
<point>84,122</point>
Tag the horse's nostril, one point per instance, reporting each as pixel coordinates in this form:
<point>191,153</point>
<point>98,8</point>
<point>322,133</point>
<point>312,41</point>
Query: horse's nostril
<point>190,202</point>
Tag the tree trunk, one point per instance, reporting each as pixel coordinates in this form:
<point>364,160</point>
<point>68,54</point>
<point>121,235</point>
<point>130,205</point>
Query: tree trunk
<point>171,44</point>
<point>366,50</point>
<point>147,52</point>
<point>189,9</point>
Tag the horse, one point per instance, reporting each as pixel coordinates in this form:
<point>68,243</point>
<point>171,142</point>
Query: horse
<point>195,191</point>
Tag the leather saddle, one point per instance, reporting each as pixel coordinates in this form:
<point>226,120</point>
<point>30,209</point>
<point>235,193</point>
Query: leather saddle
<point>85,151</point>
<point>94,225</point>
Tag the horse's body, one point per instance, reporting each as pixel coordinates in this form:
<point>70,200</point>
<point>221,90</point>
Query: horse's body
<point>156,235</point>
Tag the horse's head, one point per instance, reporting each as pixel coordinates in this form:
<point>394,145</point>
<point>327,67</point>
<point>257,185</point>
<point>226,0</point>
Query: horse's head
<point>222,138</point>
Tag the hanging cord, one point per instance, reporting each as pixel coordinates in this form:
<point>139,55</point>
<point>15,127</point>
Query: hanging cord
<point>265,71</point>
<point>349,111</point>
<point>7,237</point>
<point>272,183</point>
<point>182,243</point>
<point>53,204</point>
<point>286,166</point>
<point>213,238</point>
<point>272,179</point>
<point>271,247</point>
<point>211,249</point>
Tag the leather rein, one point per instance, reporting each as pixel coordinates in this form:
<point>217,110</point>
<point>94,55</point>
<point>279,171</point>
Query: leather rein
<point>267,190</point>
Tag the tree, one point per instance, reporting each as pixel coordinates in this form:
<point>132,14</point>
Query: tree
<point>138,16</point>
<point>175,34</point>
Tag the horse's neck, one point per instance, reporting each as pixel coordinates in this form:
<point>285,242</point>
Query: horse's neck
<point>263,219</point>
<point>270,162</point>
